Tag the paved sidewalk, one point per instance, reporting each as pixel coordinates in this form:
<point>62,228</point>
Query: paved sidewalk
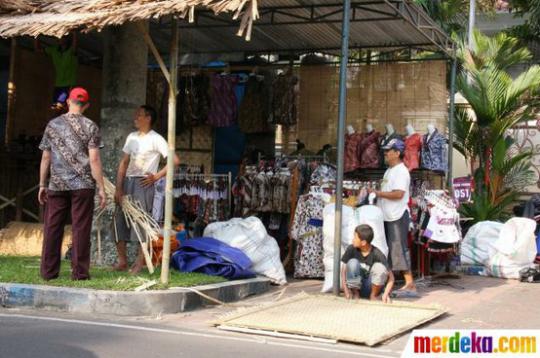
<point>473,302</point>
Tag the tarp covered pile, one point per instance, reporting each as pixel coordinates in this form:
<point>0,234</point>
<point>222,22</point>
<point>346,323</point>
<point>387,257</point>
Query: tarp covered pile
<point>238,248</point>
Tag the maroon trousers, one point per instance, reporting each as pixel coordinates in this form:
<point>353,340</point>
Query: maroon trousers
<point>59,203</point>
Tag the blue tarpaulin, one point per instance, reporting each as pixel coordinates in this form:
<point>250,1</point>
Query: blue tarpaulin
<point>212,257</point>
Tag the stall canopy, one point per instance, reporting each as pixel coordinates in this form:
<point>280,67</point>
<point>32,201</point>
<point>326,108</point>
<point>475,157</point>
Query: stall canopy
<point>244,26</point>
<point>224,26</point>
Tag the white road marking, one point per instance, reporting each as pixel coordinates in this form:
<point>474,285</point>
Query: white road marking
<point>205,335</point>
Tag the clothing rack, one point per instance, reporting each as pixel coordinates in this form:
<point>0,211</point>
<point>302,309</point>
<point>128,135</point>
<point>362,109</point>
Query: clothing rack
<point>179,175</point>
<point>318,158</point>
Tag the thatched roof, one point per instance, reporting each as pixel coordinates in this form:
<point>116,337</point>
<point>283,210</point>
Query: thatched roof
<point>59,17</point>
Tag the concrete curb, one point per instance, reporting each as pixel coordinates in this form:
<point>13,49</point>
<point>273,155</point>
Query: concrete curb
<point>122,303</point>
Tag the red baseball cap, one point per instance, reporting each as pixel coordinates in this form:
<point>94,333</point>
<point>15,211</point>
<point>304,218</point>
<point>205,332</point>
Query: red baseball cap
<point>79,94</point>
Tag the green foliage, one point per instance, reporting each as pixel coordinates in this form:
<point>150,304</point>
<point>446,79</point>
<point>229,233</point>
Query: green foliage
<point>531,29</point>
<point>497,103</point>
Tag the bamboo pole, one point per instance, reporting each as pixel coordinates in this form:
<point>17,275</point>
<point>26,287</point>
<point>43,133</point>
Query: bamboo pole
<point>171,139</point>
<point>11,92</point>
<point>146,35</point>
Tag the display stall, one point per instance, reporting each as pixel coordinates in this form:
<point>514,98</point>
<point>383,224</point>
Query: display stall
<point>205,104</point>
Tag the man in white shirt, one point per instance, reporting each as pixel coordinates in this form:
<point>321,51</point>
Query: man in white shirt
<point>137,173</point>
<point>393,199</point>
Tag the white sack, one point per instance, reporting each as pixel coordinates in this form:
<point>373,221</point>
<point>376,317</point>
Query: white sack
<point>349,223</point>
<point>373,216</point>
<point>250,236</point>
<point>515,248</point>
<point>478,245</point>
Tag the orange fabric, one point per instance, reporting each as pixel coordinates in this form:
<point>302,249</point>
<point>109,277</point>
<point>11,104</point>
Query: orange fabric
<point>413,145</point>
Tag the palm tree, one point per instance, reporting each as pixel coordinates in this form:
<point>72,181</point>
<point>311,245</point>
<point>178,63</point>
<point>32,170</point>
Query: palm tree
<point>498,102</point>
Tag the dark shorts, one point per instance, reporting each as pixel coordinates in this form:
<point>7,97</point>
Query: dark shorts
<point>396,232</point>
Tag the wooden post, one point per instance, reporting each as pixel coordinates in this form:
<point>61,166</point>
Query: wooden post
<point>11,91</point>
<point>171,140</point>
<point>19,205</point>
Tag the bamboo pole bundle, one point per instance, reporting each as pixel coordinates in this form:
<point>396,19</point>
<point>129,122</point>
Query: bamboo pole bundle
<point>143,224</point>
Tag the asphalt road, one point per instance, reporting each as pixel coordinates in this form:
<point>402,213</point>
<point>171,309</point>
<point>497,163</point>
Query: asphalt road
<point>38,335</point>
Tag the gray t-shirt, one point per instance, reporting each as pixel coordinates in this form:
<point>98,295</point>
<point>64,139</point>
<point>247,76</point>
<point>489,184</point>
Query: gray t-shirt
<point>68,138</point>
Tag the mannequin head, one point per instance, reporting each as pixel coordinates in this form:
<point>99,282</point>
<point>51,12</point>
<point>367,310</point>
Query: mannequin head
<point>389,129</point>
<point>369,128</point>
<point>431,128</point>
<point>350,129</point>
<point>410,129</point>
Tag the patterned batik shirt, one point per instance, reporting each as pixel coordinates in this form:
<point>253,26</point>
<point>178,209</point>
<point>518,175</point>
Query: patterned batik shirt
<point>69,138</point>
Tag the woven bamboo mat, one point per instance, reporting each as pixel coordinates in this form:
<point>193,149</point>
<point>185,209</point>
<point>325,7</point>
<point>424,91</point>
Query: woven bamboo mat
<point>330,317</point>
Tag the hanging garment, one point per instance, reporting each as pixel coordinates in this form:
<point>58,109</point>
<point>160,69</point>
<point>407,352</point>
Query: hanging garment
<point>284,99</point>
<point>368,150</point>
<point>253,114</point>
<point>307,230</point>
<point>443,225</point>
<point>212,257</point>
<point>384,140</point>
<point>323,173</point>
<point>223,107</point>
<point>194,101</point>
<point>413,145</point>
<point>435,152</point>
<point>352,160</point>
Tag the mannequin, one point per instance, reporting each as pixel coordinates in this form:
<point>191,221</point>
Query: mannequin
<point>413,145</point>
<point>352,138</point>
<point>389,135</point>
<point>434,150</point>
<point>369,128</point>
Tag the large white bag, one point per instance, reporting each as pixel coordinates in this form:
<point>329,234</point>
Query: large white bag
<point>250,236</point>
<point>347,233</point>
<point>515,248</point>
<point>372,215</point>
<point>478,245</point>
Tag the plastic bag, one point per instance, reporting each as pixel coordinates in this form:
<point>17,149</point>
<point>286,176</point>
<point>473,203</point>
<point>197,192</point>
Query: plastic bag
<point>515,249</point>
<point>250,236</point>
<point>477,246</point>
<point>349,223</point>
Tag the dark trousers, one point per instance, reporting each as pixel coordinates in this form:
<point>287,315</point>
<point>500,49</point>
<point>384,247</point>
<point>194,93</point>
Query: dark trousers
<point>59,203</point>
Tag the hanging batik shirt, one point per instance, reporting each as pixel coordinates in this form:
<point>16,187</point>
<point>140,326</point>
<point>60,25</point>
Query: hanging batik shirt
<point>435,152</point>
<point>69,138</point>
<point>223,105</point>
<point>307,231</point>
<point>368,150</point>
<point>413,145</point>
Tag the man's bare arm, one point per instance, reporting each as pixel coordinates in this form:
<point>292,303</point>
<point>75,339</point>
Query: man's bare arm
<point>97,173</point>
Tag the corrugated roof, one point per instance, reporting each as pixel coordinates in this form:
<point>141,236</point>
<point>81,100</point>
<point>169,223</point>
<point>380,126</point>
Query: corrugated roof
<point>302,26</point>
<point>283,25</point>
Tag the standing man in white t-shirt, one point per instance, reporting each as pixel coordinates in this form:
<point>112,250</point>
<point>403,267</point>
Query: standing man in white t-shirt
<point>137,173</point>
<point>393,199</point>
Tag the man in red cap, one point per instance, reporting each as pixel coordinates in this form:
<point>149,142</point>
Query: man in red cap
<point>69,172</point>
